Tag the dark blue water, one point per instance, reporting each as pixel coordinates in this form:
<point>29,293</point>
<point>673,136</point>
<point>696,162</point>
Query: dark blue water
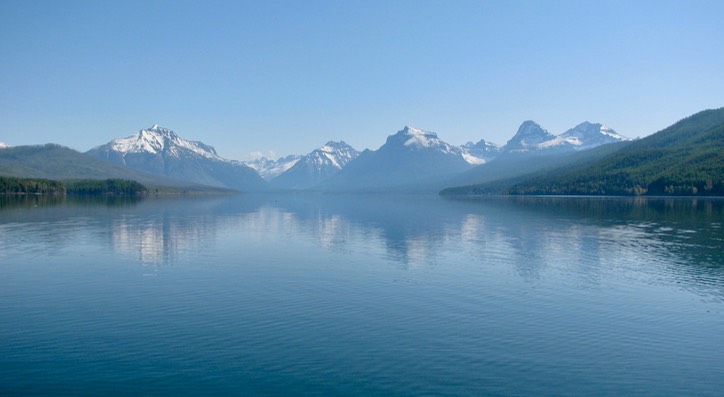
<point>369,295</point>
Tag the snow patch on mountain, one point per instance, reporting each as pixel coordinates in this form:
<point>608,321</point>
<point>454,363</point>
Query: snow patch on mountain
<point>270,169</point>
<point>472,159</point>
<point>479,153</point>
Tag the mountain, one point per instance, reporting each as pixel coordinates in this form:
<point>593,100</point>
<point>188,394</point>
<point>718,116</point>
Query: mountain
<point>270,169</point>
<point>589,135</point>
<point>3,145</point>
<point>57,162</point>
<point>160,151</point>
<point>532,138</point>
<point>686,158</point>
<point>317,166</point>
<point>409,157</point>
<point>479,153</point>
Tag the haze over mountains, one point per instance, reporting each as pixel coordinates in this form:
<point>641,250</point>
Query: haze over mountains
<point>409,160</point>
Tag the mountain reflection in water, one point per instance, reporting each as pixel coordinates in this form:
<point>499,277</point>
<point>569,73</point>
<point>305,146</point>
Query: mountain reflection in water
<point>362,294</point>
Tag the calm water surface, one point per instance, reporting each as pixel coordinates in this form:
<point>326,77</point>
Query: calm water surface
<point>367,295</point>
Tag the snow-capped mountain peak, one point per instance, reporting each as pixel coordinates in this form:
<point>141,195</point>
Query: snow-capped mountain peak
<point>332,146</point>
<point>531,133</point>
<point>413,138</point>
<point>419,138</point>
<point>336,154</point>
<point>532,137</point>
<point>317,166</point>
<point>156,140</point>
<point>587,135</point>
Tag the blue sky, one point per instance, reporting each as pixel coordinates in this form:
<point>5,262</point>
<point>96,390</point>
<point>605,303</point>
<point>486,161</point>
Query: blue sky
<point>287,76</point>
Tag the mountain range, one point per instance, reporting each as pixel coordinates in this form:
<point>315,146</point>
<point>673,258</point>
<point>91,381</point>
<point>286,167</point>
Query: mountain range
<point>409,160</point>
<point>270,169</point>
<point>531,137</point>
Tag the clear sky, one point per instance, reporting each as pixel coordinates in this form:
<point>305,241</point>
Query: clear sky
<point>287,76</point>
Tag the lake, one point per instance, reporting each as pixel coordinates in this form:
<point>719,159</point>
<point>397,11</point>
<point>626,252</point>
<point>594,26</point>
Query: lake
<point>306,294</point>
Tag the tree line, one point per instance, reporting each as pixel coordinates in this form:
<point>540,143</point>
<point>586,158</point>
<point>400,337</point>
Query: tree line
<point>96,187</point>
